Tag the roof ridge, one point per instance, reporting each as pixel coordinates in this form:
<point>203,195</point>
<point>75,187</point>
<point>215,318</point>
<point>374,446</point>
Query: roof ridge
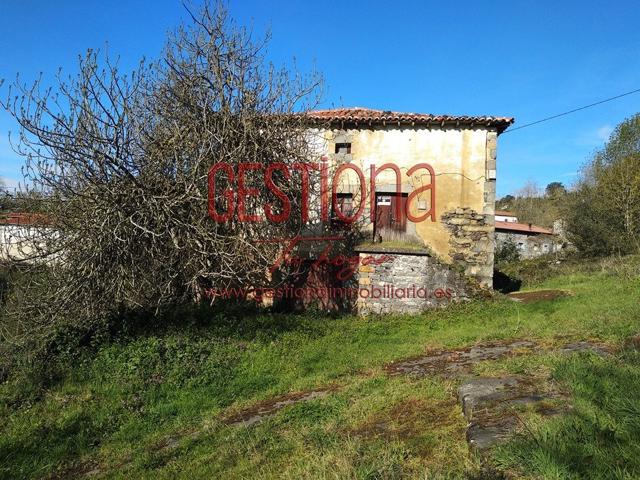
<point>335,109</point>
<point>362,116</point>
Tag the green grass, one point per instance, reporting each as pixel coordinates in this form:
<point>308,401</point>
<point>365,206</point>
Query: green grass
<point>599,438</point>
<point>395,245</point>
<point>150,405</point>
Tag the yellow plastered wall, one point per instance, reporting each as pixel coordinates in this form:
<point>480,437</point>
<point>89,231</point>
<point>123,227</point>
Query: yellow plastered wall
<point>458,157</point>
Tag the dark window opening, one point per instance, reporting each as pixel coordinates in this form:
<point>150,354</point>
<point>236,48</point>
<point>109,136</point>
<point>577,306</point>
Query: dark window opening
<point>343,148</point>
<point>344,202</point>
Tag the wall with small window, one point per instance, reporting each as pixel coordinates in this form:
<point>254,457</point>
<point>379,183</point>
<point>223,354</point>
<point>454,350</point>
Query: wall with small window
<point>530,245</point>
<point>462,163</point>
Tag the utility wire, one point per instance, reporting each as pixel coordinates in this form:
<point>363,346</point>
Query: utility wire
<point>571,111</point>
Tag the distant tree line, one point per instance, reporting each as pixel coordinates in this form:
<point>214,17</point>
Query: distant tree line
<point>532,204</point>
<point>601,212</point>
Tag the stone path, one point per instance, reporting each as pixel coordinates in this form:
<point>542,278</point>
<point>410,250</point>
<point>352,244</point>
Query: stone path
<point>453,363</point>
<point>450,363</point>
<point>268,408</point>
<point>491,405</point>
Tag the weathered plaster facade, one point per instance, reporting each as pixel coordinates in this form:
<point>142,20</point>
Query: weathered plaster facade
<point>464,163</point>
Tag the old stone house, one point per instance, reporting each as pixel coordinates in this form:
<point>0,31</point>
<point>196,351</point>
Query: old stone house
<point>443,200</point>
<point>529,240</point>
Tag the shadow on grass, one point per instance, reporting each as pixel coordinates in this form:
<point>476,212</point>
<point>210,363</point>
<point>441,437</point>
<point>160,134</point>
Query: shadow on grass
<point>36,450</point>
<point>239,321</point>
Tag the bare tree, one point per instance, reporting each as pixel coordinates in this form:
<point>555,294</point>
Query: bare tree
<point>121,164</point>
<point>530,189</point>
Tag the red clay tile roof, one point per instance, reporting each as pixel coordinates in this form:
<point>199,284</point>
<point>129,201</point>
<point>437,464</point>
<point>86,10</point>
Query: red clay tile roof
<point>522,228</point>
<point>23,219</point>
<point>358,116</point>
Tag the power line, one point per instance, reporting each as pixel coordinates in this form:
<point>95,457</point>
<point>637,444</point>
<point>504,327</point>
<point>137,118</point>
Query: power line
<point>571,111</point>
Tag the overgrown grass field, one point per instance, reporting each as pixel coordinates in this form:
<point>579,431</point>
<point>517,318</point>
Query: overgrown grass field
<point>151,405</point>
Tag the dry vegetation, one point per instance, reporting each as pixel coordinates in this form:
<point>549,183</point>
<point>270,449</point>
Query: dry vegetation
<point>118,166</point>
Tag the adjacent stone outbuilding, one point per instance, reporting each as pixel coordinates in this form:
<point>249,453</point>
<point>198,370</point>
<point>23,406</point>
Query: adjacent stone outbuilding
<point>529,240</point>
<point>406,281</point>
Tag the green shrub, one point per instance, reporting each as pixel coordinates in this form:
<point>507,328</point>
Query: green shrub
<point>507,252</point>
<point>532,271</point>
<point>602,214</point>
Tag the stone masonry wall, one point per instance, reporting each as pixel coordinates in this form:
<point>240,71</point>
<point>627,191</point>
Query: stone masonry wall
<point>472,244</point>
<point>406,283</point>
<point>529,246</point>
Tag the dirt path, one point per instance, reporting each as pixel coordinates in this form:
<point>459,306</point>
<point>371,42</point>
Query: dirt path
<point>537,295</point>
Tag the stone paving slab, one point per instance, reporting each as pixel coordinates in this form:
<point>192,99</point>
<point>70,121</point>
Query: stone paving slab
<point>451,363</point>
<point>491,406</point>
<point>268,408</point>
<point>584,346</point>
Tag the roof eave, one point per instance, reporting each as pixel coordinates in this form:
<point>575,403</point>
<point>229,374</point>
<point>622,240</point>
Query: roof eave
<point>341,123</point>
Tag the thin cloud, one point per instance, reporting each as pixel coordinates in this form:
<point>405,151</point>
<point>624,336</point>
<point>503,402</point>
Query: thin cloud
<point>9,183</point>
<point>594,138</point>
<point>604,132</point>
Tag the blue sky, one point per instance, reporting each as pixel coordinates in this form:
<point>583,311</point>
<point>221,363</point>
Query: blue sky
<point>517,58</point>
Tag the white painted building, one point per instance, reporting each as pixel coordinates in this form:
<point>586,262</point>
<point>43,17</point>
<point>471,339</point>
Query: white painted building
<point>503,216</point>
